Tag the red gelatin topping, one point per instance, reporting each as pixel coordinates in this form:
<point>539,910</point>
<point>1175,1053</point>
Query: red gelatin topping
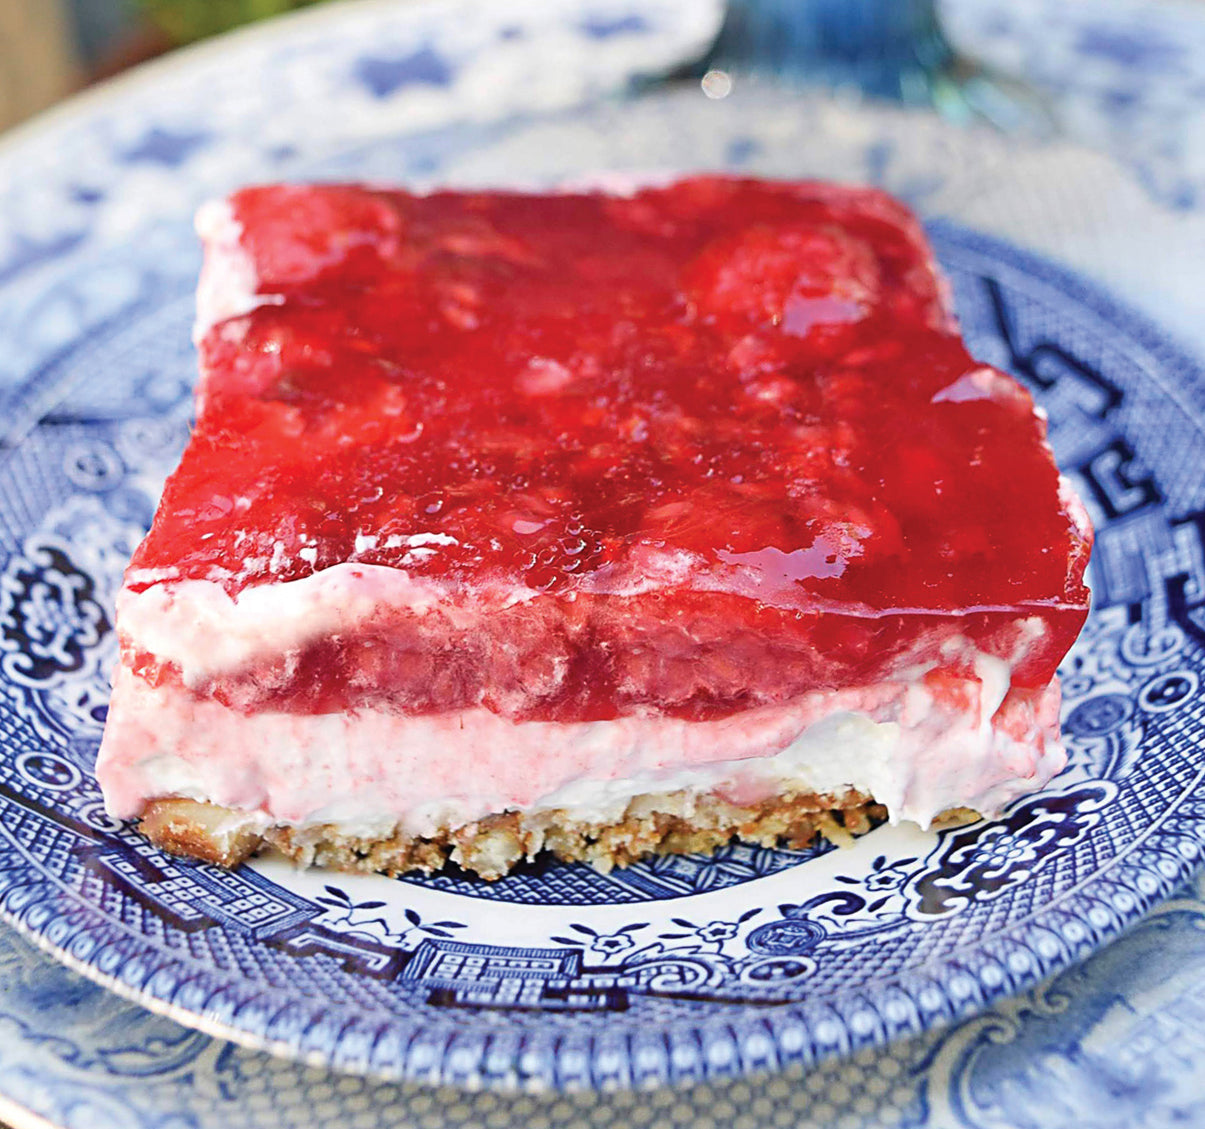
<point>725,428</point>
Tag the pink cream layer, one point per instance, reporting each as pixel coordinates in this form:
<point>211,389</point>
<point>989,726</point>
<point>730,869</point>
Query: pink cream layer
<point>919,746</point>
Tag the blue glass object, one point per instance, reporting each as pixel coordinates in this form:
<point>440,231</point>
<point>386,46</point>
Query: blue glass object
<point>889,49</point>
<point>885,48</point>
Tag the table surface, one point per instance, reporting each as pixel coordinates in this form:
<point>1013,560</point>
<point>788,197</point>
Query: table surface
<point>1116,1041</point>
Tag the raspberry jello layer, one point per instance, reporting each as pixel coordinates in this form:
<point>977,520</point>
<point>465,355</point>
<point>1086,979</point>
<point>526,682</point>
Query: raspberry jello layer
<point>599,524</point>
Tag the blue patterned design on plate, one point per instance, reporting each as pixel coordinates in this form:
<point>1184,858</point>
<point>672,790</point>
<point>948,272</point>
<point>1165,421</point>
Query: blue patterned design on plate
<point>1128,1022</point>
<point>79,489</point>
<point>583,987</point>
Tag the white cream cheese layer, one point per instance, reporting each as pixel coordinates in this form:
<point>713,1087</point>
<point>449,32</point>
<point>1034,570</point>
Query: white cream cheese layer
<point>370,771</point>
<point>205,633</point>
<point>229,283</point>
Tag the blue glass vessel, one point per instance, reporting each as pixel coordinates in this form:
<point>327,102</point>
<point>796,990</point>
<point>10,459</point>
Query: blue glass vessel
<point>886,49</point>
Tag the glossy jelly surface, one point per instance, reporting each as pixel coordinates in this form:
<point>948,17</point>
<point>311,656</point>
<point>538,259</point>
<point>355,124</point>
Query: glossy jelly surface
<point>752,386</point>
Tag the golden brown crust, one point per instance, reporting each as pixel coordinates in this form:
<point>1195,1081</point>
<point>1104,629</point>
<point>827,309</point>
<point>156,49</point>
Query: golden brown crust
<point>198,830</point>
<point>675,823</point>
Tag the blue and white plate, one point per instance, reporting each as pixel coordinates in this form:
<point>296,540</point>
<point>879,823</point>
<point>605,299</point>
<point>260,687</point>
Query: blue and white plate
<point>557,977</point>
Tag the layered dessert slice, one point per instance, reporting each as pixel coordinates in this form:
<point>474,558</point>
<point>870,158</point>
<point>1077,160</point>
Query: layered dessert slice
<point>599,524</point>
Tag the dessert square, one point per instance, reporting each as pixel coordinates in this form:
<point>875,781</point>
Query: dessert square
<point>604,525</point>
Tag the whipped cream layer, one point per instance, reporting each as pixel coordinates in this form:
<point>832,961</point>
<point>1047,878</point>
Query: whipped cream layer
<point>919,747</point>
<point>229,282</point>
<point>254,640</point>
